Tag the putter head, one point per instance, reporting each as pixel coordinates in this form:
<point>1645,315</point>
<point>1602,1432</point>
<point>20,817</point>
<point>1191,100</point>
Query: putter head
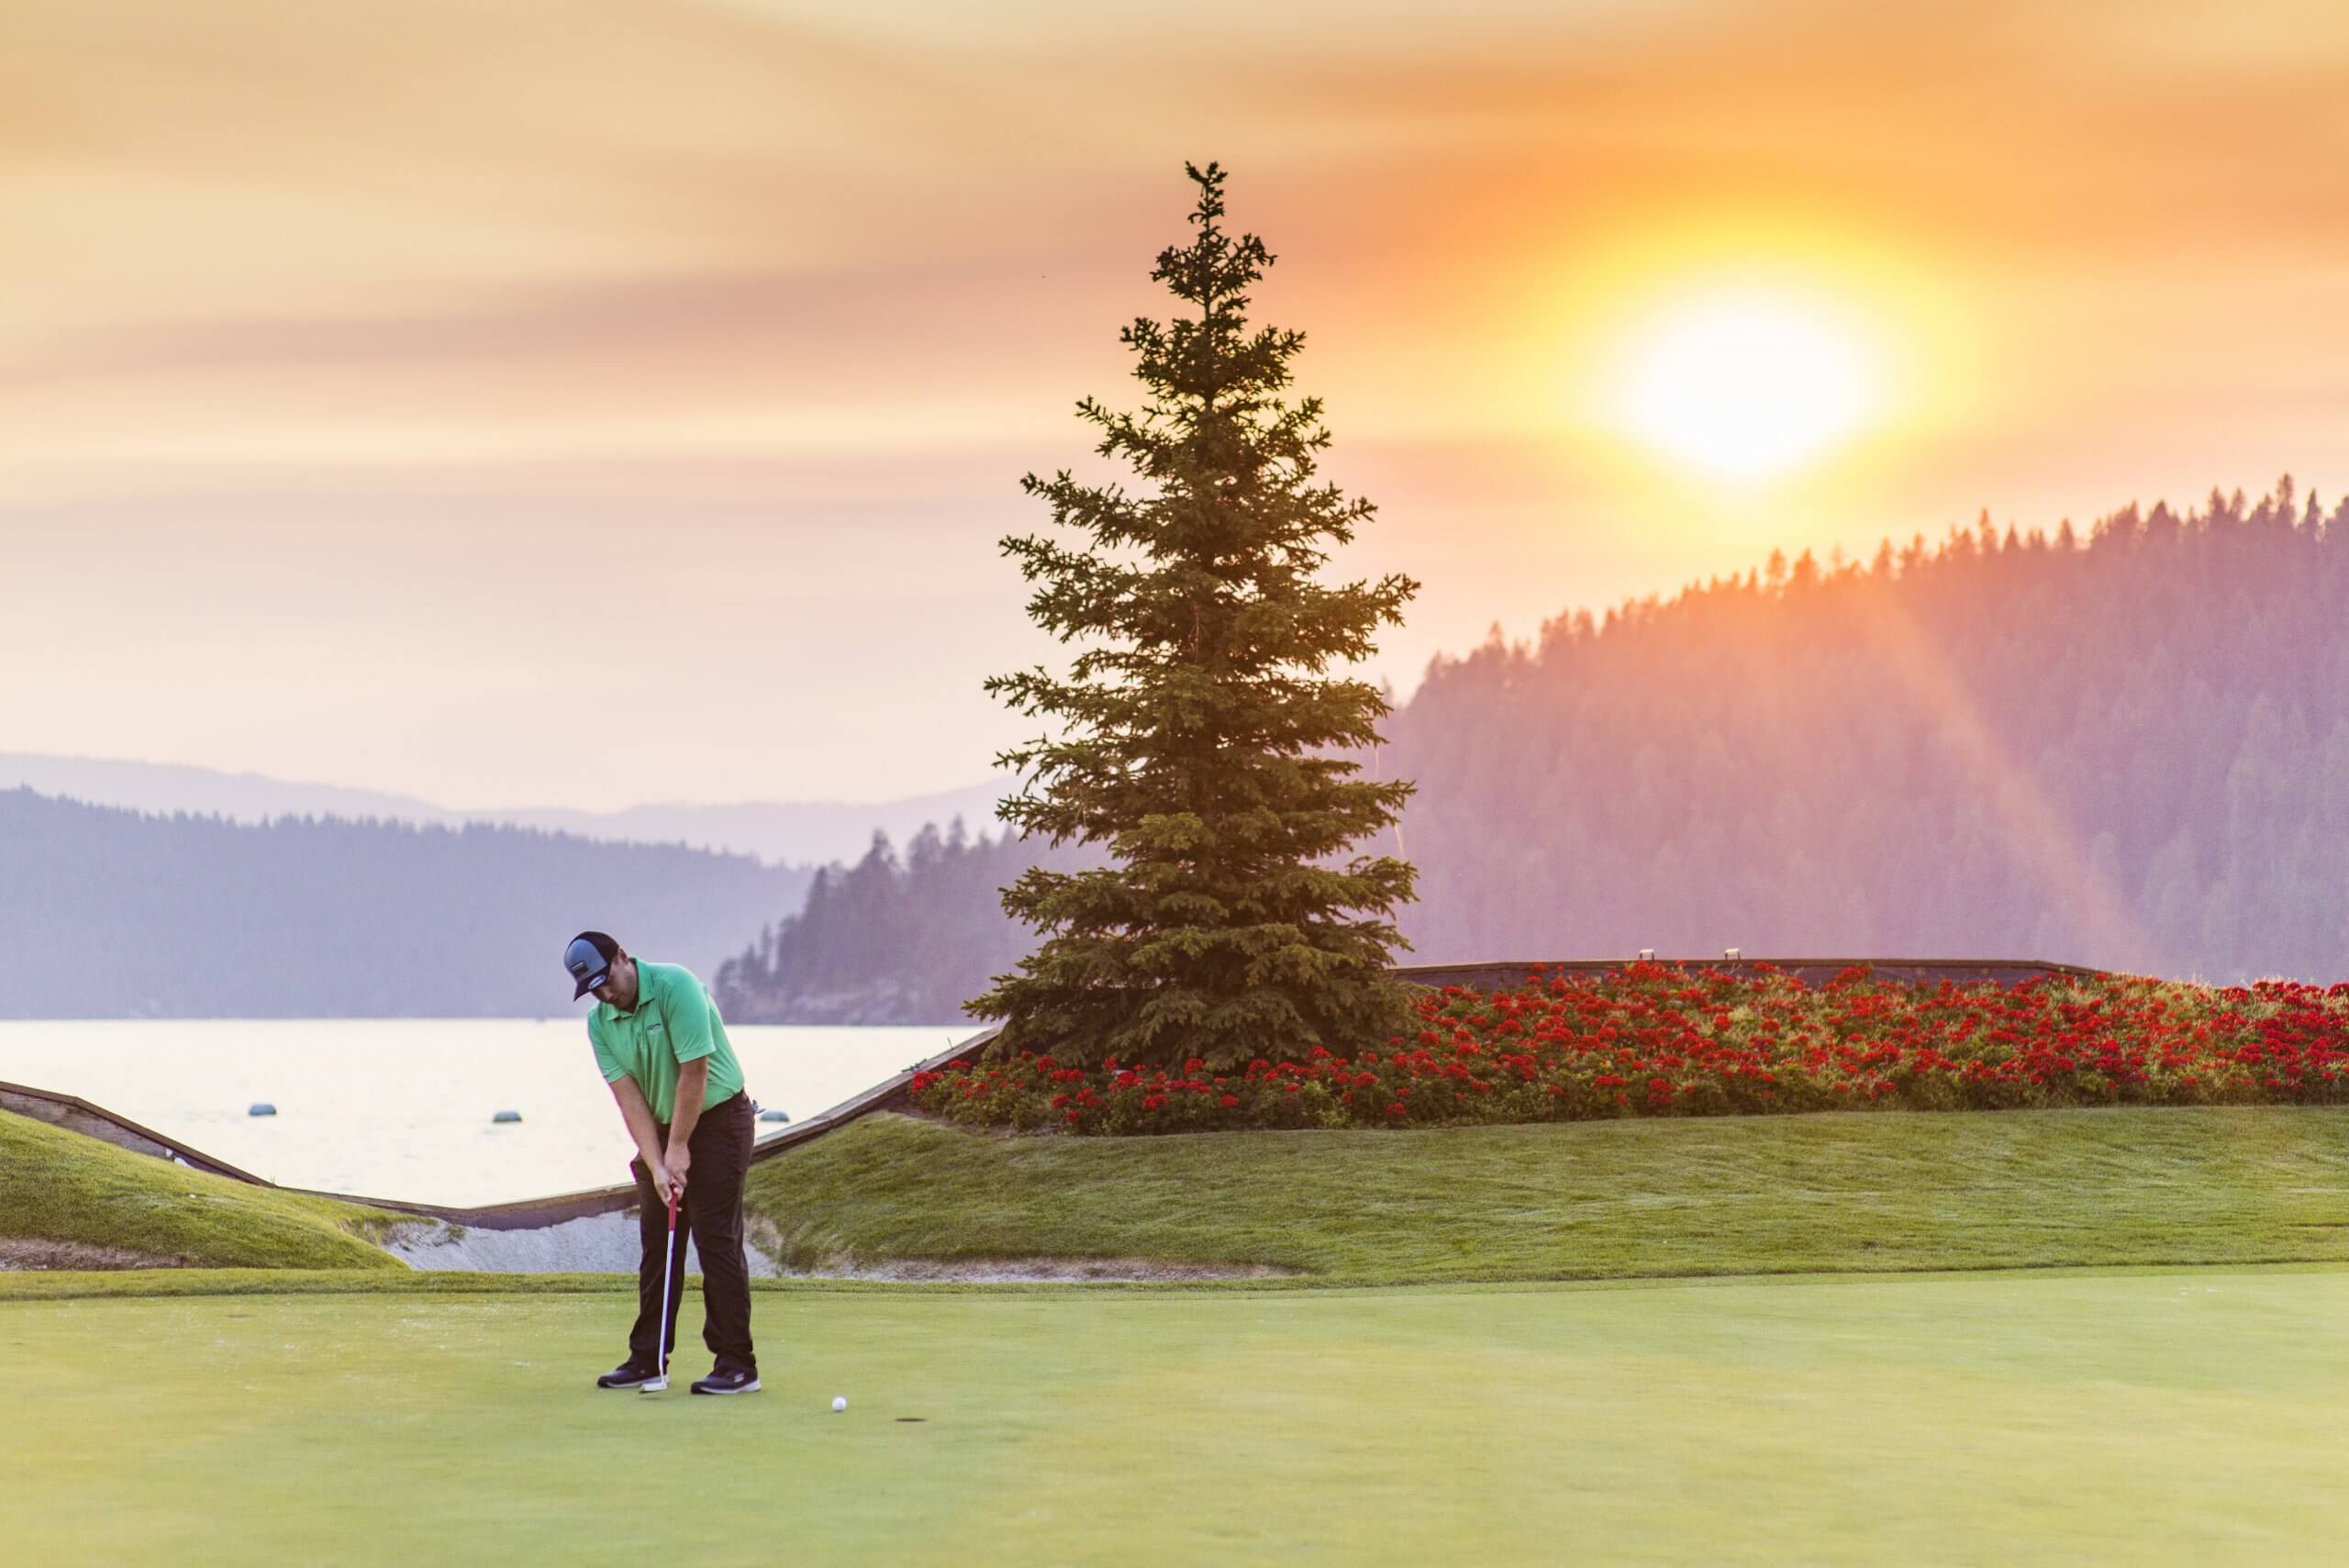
<point>654,1385</point>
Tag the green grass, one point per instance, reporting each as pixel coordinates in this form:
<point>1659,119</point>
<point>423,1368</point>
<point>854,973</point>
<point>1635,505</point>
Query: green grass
<point>64,1285</point>
<point>63,1187</point>
<point>1726,1195</point>
<point>2188,1416</point>
<point>61,1284</point>
<point>2080,1413</point>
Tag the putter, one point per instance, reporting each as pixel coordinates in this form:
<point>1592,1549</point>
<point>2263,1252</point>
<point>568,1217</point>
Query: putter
<point>660,1380</point>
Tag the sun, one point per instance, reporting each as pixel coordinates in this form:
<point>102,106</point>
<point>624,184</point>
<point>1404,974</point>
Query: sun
<point>1746,382</point>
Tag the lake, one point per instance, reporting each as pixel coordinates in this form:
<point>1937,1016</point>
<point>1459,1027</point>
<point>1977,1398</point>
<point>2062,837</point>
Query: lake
<point>401,1107</point>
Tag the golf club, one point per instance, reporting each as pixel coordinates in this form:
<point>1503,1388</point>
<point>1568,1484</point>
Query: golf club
<point>660,1380</point>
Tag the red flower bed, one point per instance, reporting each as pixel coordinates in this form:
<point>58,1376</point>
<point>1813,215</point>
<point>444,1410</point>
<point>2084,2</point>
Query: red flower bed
<point>1649,1039</point>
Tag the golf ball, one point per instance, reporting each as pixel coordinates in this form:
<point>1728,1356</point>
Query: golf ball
<point>839,1403</point>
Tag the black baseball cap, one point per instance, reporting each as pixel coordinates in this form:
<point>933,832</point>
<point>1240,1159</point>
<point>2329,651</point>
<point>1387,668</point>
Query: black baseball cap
<point>589,959</point>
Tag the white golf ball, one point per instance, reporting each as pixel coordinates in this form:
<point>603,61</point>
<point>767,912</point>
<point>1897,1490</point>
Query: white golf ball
<point>839,1403</point>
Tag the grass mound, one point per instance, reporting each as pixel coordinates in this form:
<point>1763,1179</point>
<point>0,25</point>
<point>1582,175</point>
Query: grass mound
<point>73,1192</point>
<point>1726,1195</point>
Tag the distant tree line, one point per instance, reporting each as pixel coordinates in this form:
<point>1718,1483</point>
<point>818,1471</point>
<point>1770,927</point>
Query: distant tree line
<point>109,913</point>
<point>889,940</point>
<point>2127,748</point>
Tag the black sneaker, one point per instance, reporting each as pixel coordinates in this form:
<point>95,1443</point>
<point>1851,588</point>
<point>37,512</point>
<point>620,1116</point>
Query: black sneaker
<point>627,1374</point>
<point>728,1380</point>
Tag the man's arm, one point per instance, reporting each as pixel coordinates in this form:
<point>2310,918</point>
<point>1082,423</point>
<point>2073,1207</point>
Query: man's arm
<point>693,1082</point>
<point>690,1038</point>
<point>637,1113</point>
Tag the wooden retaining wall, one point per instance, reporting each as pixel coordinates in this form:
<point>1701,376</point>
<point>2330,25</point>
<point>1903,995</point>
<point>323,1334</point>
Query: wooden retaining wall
<point>77,1114</point>
<point>531,1214</point>
<point>1813,970</point>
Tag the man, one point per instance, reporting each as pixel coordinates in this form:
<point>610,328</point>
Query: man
<point>663,1051</point>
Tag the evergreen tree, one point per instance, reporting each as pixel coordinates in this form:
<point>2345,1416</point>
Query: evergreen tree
<point>1201,740</point>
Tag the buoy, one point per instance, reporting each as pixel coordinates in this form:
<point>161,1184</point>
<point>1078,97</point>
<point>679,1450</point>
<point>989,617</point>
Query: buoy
<point>262,1108</point>
<point>774,1116</point>
<point>506,1115</point>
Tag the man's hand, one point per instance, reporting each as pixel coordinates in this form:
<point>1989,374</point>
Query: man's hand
<point>665,1182</point>
<point>644,1131</point>
<point>679,1156</point>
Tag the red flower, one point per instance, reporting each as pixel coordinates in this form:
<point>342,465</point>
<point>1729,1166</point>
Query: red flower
<point>1856,1041</point>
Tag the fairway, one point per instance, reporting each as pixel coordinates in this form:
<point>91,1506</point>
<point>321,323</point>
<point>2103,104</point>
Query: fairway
<point>2184,1414</point>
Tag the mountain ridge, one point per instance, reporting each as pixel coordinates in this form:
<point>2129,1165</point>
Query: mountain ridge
<point>777,832</point>
<point>109,912</point>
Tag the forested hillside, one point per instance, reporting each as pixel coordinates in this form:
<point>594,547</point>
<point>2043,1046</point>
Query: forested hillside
<point>889,939</point>
<point>2129,749</point>
<point>107,913</point>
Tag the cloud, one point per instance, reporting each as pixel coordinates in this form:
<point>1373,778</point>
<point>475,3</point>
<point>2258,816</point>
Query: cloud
<point>481,276</point>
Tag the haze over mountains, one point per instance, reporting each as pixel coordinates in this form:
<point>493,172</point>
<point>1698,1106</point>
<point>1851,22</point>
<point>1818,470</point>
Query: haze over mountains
<point>2128,750</point>
<point>806,833</point>
<point>131,889</point>
<point>107,913</point>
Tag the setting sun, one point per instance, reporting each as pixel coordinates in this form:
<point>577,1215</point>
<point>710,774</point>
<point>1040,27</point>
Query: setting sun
<point>1746,383</point>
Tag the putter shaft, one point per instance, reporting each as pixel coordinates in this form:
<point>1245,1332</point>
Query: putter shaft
<point>668,1268</point>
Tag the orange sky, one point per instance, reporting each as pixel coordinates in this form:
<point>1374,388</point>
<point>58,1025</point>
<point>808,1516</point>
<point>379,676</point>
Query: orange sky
<point>421,395</point>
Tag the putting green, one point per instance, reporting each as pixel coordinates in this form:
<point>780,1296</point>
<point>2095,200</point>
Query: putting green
<point>2179,1415</point>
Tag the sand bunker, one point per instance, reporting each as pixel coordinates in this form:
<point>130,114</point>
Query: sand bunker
<point>607,1244</point>
<point>597,1244</point>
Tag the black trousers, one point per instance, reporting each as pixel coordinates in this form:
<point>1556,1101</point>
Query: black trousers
<point>711,1214</point>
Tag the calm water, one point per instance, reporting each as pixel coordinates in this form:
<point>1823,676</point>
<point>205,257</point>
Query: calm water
<point>401,1107</point>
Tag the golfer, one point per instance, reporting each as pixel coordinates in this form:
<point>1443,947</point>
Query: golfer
<point>662,1047</point>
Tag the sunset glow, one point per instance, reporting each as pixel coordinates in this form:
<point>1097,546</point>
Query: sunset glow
<point>1603,299</point>
<point>1746,383</point>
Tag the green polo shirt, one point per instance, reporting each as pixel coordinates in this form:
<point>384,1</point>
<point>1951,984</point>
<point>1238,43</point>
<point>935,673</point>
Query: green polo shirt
<point>675,1020</point>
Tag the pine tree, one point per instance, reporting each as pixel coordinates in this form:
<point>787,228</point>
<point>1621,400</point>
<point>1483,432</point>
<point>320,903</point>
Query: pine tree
<point>1200,737</point>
